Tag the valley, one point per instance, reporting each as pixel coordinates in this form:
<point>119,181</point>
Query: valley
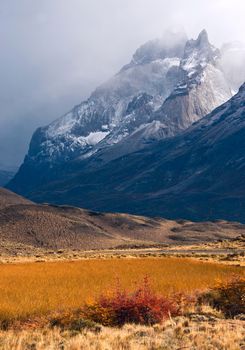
<point>56,261</point>
<point>28,229</point>
<point>124,226</point>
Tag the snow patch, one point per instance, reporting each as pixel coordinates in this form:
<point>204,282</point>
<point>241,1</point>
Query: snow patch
<point>95,137</point>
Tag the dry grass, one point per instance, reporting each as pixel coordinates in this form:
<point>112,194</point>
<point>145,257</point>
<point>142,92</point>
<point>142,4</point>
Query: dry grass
<point>177,334</point>
<point>229,252</point>
<point>40,288</point>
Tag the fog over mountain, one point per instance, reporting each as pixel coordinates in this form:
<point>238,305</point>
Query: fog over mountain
<point>54,53</point>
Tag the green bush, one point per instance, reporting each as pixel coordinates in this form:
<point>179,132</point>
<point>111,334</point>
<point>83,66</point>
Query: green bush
<point>74,321</point>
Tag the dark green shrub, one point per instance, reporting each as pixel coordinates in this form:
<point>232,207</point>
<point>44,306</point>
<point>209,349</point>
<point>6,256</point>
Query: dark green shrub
<point>74,321</point>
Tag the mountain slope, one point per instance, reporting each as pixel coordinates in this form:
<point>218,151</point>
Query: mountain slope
<point>8,198</point>
<point>24,225</point>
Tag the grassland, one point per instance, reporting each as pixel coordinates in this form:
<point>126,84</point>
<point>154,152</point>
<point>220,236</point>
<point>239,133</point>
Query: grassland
<point>39,288</point>
<point>231,252</point>
<point>178,334</point>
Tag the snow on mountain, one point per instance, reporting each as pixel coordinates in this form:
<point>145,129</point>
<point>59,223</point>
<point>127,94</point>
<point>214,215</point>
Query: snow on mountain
<point>201,88</point>
<point>107,107</point>
<point>198,53</point>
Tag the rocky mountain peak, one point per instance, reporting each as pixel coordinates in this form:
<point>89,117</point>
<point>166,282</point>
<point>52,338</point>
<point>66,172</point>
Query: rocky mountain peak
<point>203,38</point>
<point>171,44</point>
<point>199,51</point>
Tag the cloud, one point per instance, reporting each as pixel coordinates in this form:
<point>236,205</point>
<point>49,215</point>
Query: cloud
<point>55,52</point>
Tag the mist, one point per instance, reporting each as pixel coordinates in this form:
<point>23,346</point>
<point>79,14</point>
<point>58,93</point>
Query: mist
<point>55,52</point>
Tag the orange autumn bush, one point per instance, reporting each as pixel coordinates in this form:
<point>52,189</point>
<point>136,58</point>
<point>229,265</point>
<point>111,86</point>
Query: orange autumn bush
<point>141,306</point>
<point>228,297</point>
<point>186,303</point>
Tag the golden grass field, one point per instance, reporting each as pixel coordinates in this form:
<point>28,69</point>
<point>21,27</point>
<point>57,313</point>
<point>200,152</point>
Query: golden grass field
<point>39,288</point>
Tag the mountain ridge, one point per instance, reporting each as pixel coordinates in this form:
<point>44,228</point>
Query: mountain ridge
<point>196,175</point>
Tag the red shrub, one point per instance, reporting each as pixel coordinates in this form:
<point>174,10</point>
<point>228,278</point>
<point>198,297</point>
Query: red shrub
<point>142,306</point>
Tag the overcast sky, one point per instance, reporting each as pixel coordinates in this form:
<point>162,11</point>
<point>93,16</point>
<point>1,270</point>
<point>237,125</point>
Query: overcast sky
<point>55,52</point>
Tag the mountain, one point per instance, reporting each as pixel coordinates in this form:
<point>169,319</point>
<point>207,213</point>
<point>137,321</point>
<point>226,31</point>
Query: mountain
<point>5,176</point>
<point>145,143</point>
<point>199,174</point>
<point>169,84</point>
<point>25,226</point>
